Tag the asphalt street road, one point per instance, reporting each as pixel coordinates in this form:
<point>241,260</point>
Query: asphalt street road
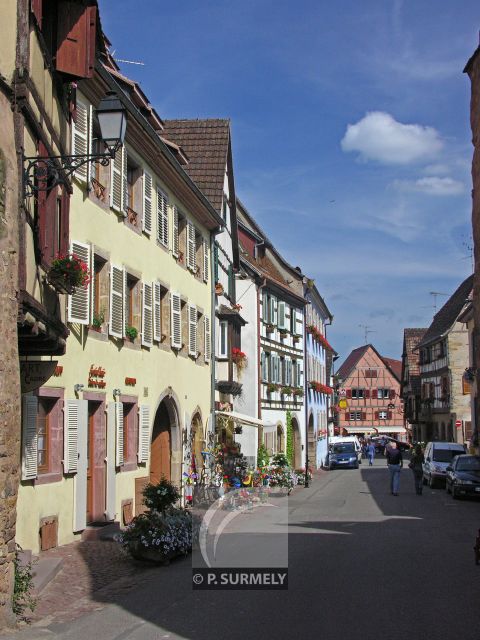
<point>362,564</point>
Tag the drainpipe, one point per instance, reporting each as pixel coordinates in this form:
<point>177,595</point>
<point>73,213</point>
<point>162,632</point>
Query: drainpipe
<point>259,365</point>
<point>213,324</point>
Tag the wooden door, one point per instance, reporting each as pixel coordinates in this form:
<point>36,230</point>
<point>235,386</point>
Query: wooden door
<point>90,463</point>
<point>96,470</point>
<point>160,455</point>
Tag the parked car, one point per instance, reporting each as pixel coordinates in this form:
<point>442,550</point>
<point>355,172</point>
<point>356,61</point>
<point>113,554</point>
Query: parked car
<point>350,439</point>
<point>438,456</point>
<point>463,476</point>
<point>381,442</point>
<point>343,454</point>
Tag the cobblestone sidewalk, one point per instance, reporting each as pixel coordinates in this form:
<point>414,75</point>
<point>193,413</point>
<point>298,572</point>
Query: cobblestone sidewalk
<point>93,574</point>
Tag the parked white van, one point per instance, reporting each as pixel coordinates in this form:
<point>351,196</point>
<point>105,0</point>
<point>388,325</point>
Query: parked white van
<point>438,455</point>
<point>354,439</point>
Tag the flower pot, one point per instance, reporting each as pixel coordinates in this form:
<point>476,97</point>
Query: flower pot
<point>59,283</point>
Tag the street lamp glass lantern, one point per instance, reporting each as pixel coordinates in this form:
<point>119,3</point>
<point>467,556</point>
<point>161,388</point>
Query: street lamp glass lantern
<point>112,119</point>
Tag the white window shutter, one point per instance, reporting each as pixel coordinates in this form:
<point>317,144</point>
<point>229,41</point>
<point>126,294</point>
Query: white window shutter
<point>147,315</point>
<point>281,314</point>
<point>206,260</point>
<point>273,310</point>
<point>175,247</point>
<point>293,319</point>
<point>125,202</point>
<point>191,253</point>
<point>116,181</point>
<point>81,449</point>
<point>80,138</point>
<point>118,434</point>
<point>143,433</point>
<point>192,330</point>
<point>157,312</point>
<point>265,307</point>
<point>176,320</point>
<point>147,202</point>
<point>29,438</point>
<point>162,218</point>
<point>91,166</point>
<point>111,472</point>
<point>263,360</point>
<point>70,436</point>
<point>208,340</point>
<point>117,307</point>
<point>79,302</point>
<point>92,282</point>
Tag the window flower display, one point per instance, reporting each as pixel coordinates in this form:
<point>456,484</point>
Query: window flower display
<point>68,272</point>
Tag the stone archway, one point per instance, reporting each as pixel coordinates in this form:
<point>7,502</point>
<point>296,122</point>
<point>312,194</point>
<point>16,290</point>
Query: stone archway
<point>312,443</point>
<point>163,455</point>
<point>297,444</point>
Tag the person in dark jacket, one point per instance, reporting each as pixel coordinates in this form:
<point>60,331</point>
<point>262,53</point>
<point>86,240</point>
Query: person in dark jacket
<point>395,463</point>
<point>416,465</point>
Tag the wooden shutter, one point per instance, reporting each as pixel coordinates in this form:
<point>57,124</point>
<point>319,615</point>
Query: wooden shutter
<point>347,416</point>
<point>79,302</point>
<point>37,10</point>
<point>76,34</point>
<point>349,393</point>
<point>157,311</point>
<point>116,181</point>
<point>70,436</point>
<point>263,360</point>
<point>162,218</point>
<point>117,297</point>
<point>389,415</point>
<point>118,434</point>
<point>376,414</point>
<point>143,433</point>
<point>125,201</point>
<point>175,245</point>
<point>208,340</point>
<point>366,394</point>
<point>80,138</point>
<point>375,394</point>
<point>29,437</point>
<point>265,307</point>
<point>191,246</point>
<point>273,309</point>
<point>192,330</point>
<point>147,203</point>
<point>78,447</point>
<point>299,374</point>
<point>147,315</point>
<point>110,511</point>
<point>281,314</point>
<point>215,262</point>
<point>364,415</point>
<point>392,394</point>
<point>206,259</point>
<point>176,320</point>
<point>293,321</point>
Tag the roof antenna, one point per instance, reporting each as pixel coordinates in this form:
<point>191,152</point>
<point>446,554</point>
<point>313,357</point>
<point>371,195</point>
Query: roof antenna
<point>366,328</point>
<point>435,294</point>
<point>129,61</point>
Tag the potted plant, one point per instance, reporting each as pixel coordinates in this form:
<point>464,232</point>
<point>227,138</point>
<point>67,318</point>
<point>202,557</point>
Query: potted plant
<point>239,359</point>
<point>298,392</point>
<point>68,272</point>
<point>283,333</point>
<point>269,328</point>
<point>98,320</point>
<point>286,391</point>
<point>271,387</point>
<point>131,333</point>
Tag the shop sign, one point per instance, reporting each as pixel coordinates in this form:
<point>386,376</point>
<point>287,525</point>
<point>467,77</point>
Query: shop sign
<point>34,373</point>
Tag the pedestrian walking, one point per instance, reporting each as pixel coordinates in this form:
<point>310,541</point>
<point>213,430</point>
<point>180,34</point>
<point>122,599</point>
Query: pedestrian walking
<point>395,463</point>
<point>416,465</point>
<point>370,453</point>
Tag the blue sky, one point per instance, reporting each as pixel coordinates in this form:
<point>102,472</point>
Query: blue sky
<point>351,136</point>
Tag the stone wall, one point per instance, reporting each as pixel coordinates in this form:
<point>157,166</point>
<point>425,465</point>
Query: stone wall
<point>9,366</point>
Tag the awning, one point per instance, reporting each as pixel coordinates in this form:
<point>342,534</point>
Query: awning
<point>241,418</point>
<point>375,430</point>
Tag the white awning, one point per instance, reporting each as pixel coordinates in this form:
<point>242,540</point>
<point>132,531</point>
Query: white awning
<point>375,430</point>
<point>241,418</point>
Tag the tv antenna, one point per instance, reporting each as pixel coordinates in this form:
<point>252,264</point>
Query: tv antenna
<point>112,53</point>
<point>435,294</point>
<point>367,330</point>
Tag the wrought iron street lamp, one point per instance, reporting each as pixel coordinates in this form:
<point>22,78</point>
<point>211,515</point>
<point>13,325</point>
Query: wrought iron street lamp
<point>44,173</point>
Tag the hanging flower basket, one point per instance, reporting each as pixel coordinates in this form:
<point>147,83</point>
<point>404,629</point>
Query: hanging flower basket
<point>239,359</point>
<point>68,272</point>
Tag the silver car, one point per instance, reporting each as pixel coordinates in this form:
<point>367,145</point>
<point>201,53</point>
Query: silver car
<point>438,456</point>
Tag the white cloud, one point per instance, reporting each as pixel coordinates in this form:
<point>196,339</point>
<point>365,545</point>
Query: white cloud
<point>436,169</point>
<point>433,186</point>
<point>378,136</point>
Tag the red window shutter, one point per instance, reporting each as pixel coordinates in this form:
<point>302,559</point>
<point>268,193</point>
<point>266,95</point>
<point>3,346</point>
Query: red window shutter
<point>389,415</point>
<point>46,216</point>
<point>349,393</point>
<point>364,415</point>
<point>347,417</point>
<point>374,393</point>
<point>376,415</point>
<point>37,10</point>
<point>64,222</point>
<point>367,393</point>
<point>76,39</point>
<point>392,394</point>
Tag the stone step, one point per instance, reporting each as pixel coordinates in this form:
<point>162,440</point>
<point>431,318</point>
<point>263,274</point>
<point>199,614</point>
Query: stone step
<point>44,570</point>
<point>101,531</point>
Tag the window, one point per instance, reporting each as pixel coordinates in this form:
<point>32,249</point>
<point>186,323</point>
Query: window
<point>175,320</point>
<point>134,195</point>
<point>192,331</point>
<point>359,394</point>
<point>383,394</point>
<point>132,303</point>
<point>162,218</point>
<point>99,286</point>
<point>371,373</point>
<point>45,406</point>
<point>130,436</point>
<point>264,361</point>
<point>355,415</point>
<point>383,415</point>
<point>223,340</point>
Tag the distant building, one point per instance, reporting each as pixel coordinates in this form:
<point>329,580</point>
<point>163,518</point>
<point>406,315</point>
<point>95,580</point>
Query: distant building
<point>410,381</point>
<point>368,394</point>
<point>446,413</point>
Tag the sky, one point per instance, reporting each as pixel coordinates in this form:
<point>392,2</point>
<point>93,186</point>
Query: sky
<point>351,136</point>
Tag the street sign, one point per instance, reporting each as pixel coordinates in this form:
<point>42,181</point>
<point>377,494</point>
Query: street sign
<point>342,392</point>
<point>458,424</point>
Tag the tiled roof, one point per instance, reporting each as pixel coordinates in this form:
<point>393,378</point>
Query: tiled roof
<point>395,366</point>
<point>351,361</point>
<point>266,267</point>
<point>206,144</point>
<point>448,314</point>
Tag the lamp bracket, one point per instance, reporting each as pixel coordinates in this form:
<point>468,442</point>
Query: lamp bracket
<point>44,173</point>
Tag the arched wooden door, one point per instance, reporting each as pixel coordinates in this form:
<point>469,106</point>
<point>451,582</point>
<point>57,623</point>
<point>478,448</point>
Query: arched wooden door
<point>161,447</point>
